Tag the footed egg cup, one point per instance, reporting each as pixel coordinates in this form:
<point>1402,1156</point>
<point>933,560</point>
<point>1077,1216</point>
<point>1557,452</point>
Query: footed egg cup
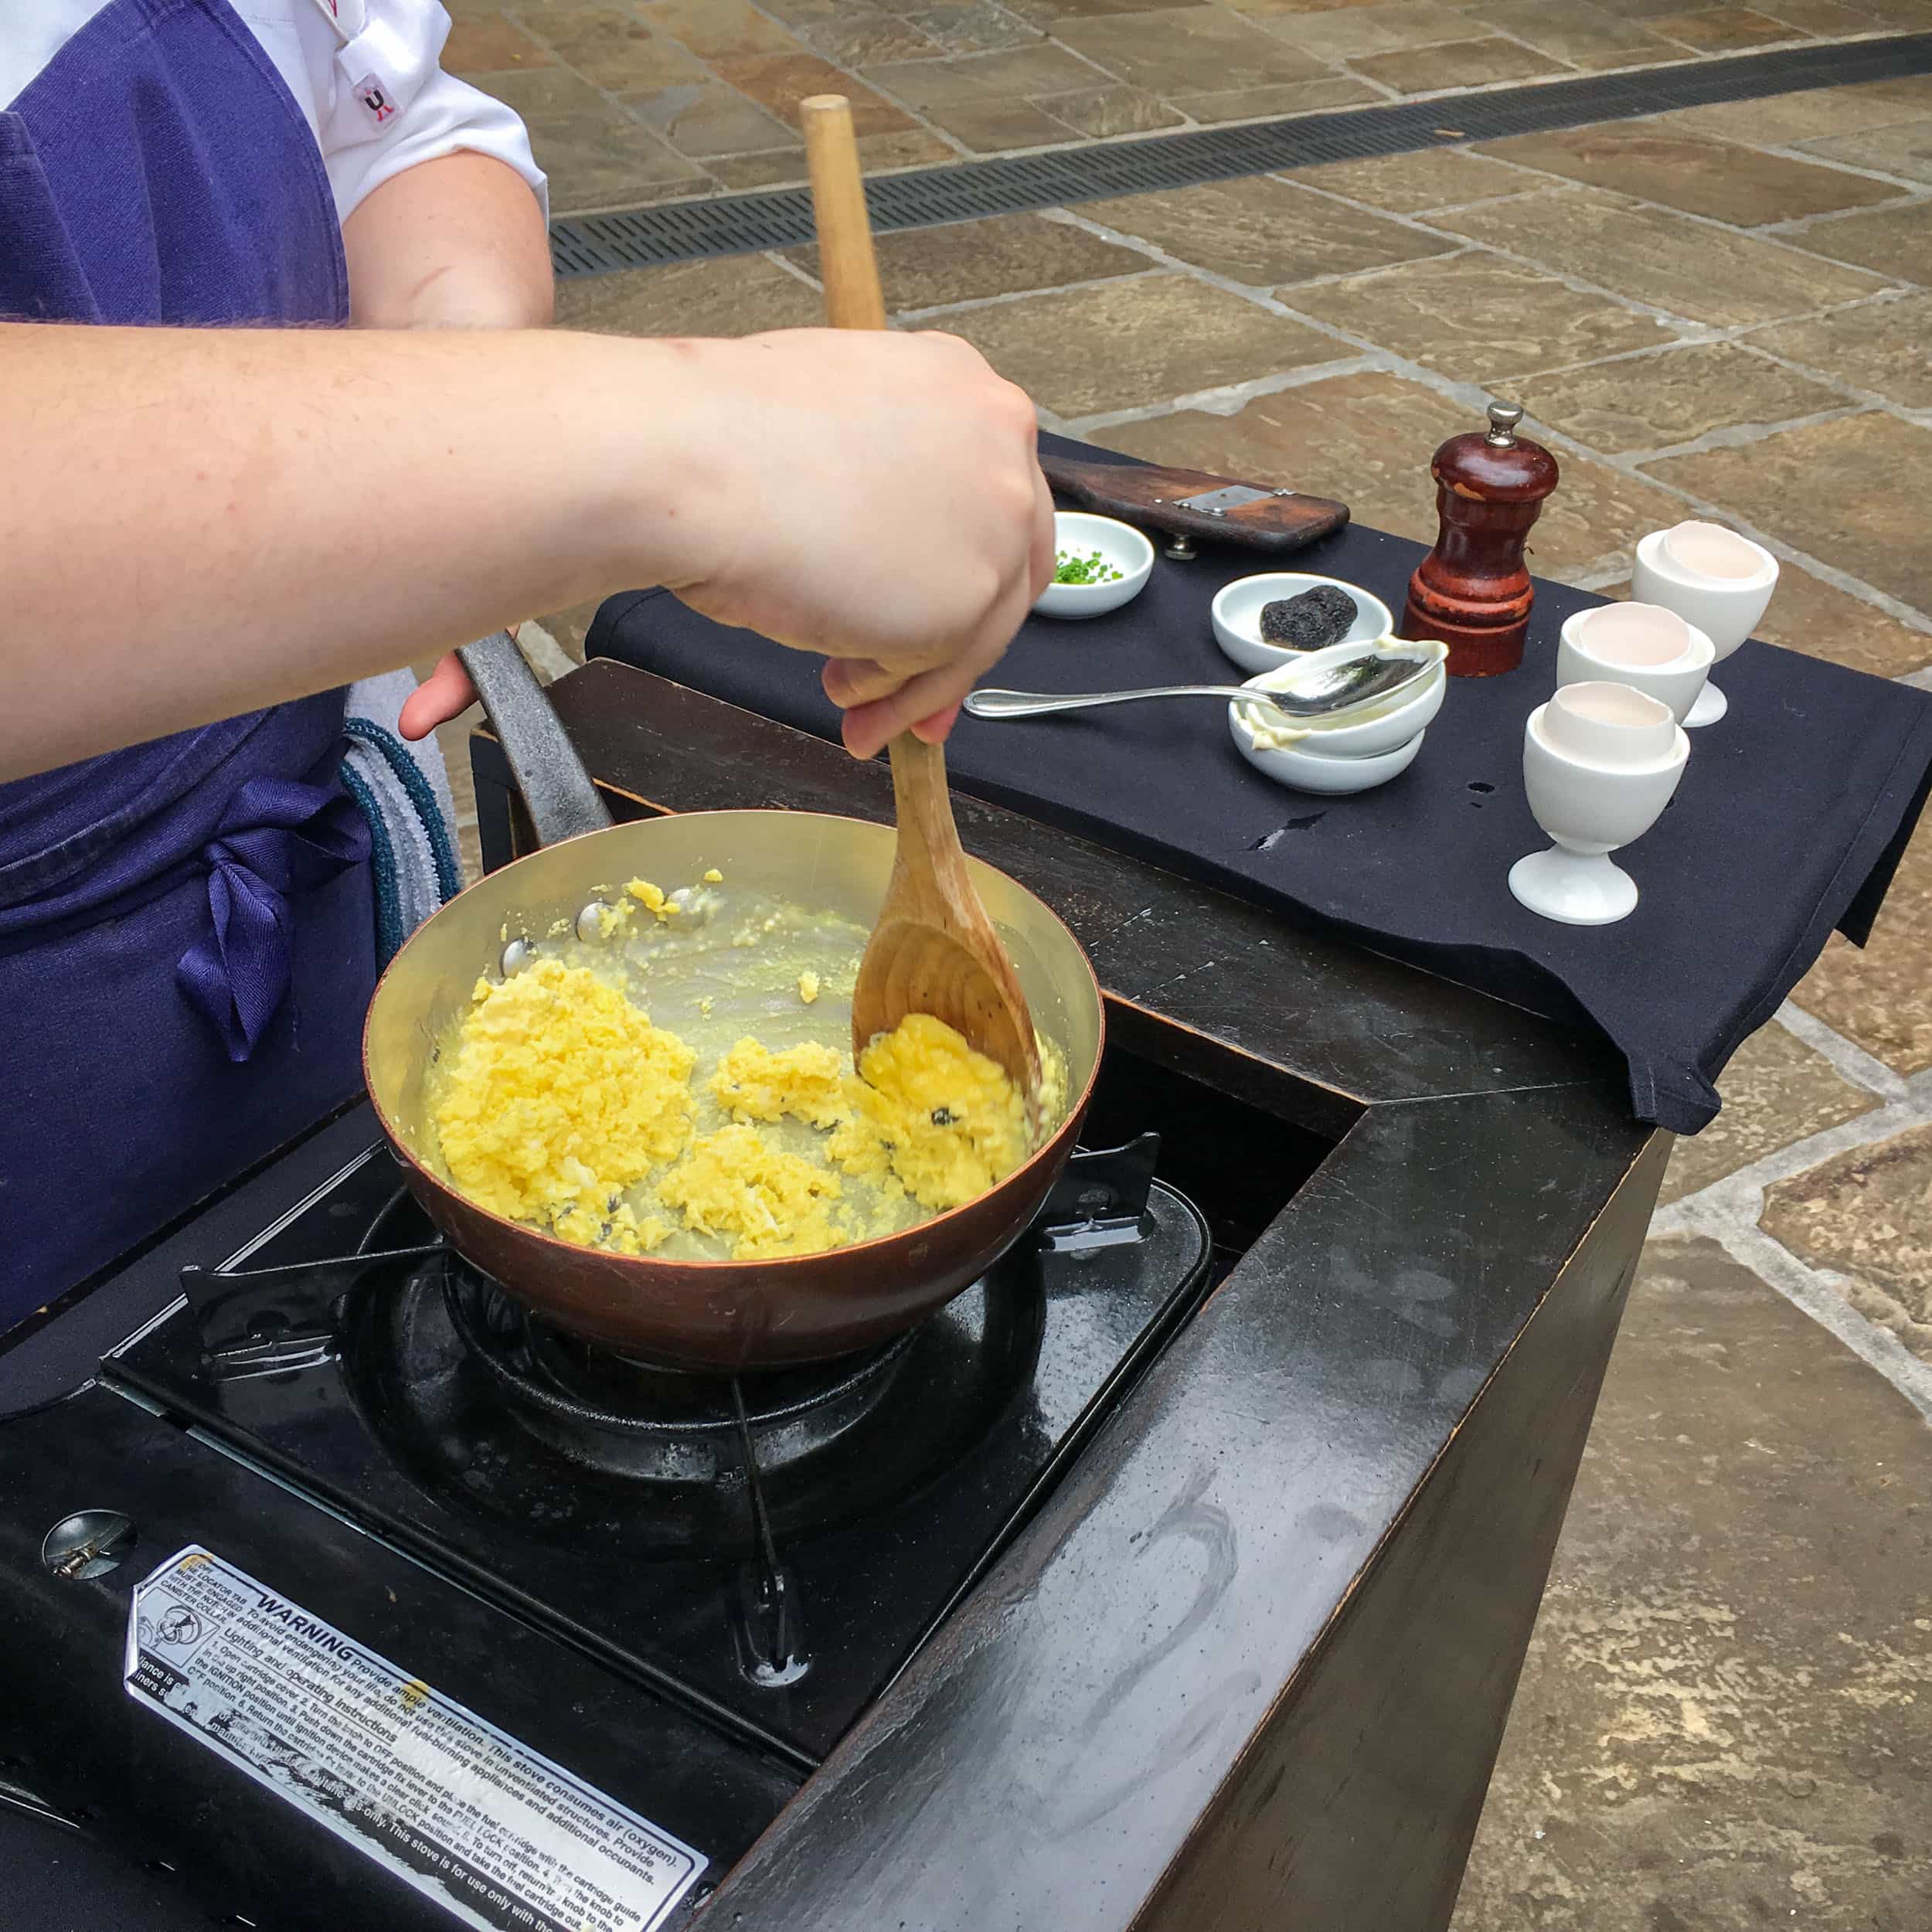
<point>1725,609</point>
<point>1679,684</point>
<point>1590,810</point>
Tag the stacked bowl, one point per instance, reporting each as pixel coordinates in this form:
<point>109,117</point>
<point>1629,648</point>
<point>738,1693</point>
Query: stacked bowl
<point>1356,752</point>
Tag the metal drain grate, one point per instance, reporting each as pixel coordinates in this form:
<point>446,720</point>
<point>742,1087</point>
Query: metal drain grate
<point>781,218</point>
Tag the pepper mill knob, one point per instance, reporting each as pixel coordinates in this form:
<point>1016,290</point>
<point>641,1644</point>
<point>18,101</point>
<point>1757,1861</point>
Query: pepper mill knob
<point>1473,590</point>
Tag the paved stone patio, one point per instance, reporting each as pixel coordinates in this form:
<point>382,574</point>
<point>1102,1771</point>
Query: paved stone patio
<point>1726,1719</point>
<point>658,99</point>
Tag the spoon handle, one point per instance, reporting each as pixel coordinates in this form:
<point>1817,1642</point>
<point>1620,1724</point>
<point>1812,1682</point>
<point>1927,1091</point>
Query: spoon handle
<point>1035,704</point>
<point>848,268</point>
<point>933,949</point>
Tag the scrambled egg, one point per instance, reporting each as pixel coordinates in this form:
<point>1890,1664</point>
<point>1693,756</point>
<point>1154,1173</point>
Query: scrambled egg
<point>770,1201</point>
<point>532,1124</point>
<point>807,1082</point>
<point>623,1231</point>
<point>562,1107</point>
<point>948,1119</point>
<point>927,1113</point>
<point>653,900</point>
<point>612,920</point>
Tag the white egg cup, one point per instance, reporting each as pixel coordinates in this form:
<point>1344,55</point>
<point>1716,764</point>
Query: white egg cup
<point>1727,609</point>
<point>1600,762</point>
<point>1588,652</point>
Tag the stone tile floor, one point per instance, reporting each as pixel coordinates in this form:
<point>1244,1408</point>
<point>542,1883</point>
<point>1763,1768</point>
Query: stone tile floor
<point>1726,1719</point>
<point>632,101</point>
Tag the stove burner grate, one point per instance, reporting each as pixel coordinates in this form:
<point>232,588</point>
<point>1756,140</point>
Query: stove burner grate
<point>360,1358</point>
<point>634,1417</point>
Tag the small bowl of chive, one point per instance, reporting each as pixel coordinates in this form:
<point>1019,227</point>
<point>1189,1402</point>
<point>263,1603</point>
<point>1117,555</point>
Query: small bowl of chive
<point>1099,564</point>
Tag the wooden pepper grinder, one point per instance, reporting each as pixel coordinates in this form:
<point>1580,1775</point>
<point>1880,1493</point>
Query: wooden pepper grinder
<point>1473,590</point>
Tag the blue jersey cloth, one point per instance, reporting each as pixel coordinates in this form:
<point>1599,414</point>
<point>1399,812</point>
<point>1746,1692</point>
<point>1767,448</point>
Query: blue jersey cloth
<point>187,943</point>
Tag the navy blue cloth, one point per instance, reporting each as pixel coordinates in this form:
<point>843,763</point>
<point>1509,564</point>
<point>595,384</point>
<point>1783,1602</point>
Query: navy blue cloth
<point>1789,821</point>
<point>186,927</point>
<point>278,837</point>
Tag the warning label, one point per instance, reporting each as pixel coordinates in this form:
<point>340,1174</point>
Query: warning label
<point>503,1838</point>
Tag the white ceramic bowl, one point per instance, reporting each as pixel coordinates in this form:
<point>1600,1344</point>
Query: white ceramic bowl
<point>1237,616</point>
<point>1119,544</point>
<point>1383,728</point>
<point>1677,684</point>
<point>1303,770</point>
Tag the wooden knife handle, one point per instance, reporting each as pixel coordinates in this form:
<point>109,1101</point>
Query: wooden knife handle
<point>1157,499</point>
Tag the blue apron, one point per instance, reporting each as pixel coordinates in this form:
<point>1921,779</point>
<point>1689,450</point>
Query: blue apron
<point>187,939</point>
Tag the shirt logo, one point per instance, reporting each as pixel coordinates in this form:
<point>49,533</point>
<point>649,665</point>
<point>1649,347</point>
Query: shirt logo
<point>374,95</point>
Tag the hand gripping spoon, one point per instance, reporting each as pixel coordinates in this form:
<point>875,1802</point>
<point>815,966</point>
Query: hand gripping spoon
<point>933,949</point>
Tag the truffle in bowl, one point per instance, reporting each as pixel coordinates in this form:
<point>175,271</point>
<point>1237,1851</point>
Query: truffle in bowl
<point>1237,613</point>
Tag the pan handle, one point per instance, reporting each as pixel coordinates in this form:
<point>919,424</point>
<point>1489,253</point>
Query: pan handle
<point>557,790</point>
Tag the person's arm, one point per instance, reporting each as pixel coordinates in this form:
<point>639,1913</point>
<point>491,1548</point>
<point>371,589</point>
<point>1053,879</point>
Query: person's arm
<point>455,242</point>
<point>196,523</point>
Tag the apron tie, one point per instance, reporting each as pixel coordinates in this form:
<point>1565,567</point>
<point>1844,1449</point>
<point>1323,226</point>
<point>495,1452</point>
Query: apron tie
<point>278,835</point>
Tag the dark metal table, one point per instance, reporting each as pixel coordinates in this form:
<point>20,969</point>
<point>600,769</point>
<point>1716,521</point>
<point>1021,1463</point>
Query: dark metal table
<point>1325,1522</point>
<point>1250,1664</point>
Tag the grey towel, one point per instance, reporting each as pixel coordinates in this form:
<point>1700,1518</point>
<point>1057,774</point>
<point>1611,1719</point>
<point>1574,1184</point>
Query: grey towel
<point>404,793</point>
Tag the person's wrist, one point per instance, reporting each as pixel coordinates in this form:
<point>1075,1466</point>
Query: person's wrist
<point>677,506</point>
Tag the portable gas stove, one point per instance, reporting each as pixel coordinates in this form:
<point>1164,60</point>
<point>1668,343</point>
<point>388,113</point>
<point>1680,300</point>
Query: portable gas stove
<point>1177,1574</point>
<point>763,1551</point>
<point>751,1558</point>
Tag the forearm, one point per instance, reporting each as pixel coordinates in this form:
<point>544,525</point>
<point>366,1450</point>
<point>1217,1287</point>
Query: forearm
<point>456,243</point>
<point>199,522</point>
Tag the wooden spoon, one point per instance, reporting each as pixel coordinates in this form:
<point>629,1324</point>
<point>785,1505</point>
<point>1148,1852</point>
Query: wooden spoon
<point>933,949</point>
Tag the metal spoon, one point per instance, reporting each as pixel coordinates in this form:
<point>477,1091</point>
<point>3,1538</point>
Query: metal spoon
<point>1339,687</point>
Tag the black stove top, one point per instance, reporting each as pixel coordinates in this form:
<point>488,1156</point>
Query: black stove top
<point>765,1550</point>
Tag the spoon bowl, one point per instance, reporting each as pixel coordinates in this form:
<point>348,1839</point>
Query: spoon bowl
<point>1362,731</point>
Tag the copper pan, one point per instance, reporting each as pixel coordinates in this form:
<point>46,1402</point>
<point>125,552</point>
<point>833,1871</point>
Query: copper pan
<point>708,1315</point>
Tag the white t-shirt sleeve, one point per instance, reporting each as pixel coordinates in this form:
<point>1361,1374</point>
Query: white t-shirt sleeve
<point>383,103</point>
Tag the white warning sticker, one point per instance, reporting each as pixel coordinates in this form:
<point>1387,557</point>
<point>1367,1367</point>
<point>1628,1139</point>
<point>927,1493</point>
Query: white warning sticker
<point>503,1838</point>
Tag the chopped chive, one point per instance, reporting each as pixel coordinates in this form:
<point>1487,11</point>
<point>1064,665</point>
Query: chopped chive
<point>1093,568</point>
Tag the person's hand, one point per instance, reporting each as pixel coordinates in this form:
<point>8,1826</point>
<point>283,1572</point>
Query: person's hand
<point>876,497</point>
<point>446,693</point>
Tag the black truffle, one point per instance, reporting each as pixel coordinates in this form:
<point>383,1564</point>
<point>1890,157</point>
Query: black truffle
<point>1308,621</point>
